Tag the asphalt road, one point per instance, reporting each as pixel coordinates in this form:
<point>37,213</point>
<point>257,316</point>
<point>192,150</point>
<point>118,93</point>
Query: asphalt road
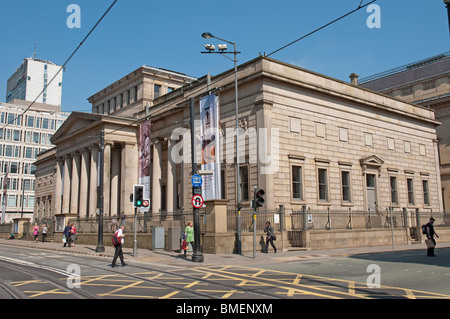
<point>39,274</point>
<point>410,269</point>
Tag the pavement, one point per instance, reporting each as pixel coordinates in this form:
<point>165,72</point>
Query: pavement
<point>165,257</point>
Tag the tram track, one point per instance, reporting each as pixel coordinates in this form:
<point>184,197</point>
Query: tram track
<point>177,273</point>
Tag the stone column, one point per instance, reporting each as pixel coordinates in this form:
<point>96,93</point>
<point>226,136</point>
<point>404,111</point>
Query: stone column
<point>128,177</point>
<point>84,183</point>
<point>171,187</point>
<point>156,179</point>
<point>107,180</point>
<point>115,181</point>
<point>93,182</point>
<point>58,186</point>
<point>75,183</point>
<point>66,184</point>
<point>438,176</point>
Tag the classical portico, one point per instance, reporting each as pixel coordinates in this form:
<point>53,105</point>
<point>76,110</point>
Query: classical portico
<point>77,166</point>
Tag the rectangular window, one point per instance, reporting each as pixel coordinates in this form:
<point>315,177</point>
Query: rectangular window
<point>30,121</point>
<point>426,198</point>
<point>394,197</point>
<point>12,200</point>
<point>223,184</point>
<point>346,190</point>
<point>45,123</point>
<point>410,185</point>
<point>28,152</point>
<point>323,184</point>
<point>30,201</point>
<point>16,135</point>
<point>14,168</point>
<point>8,150</point>
<point>26,185</point>
<point>243,184</point>
<point>11,118</point>
<point>297,191</point>
<point>157,91</point>
<point>35,137</point>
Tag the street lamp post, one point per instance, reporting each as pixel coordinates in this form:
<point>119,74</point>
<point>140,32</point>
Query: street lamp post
<point>447,5</point>
<point>100,248</point>
<point>222,51</point>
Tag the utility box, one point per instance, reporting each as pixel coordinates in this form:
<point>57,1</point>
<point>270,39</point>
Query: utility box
<point>173,238</point>
<point>157,238</point>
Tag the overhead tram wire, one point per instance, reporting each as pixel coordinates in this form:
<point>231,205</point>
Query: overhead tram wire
<point>323,27</point>
<point>65,63</point>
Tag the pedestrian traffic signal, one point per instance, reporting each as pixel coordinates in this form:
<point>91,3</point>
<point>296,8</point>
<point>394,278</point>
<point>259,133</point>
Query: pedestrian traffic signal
<point>258,198</point>
<point>138,196</point>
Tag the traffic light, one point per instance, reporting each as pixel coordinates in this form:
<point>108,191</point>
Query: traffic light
<point>258,198</point>
<point>138,196</point>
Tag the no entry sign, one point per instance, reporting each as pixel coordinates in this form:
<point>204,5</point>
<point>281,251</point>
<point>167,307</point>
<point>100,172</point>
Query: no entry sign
<point>197,201</point>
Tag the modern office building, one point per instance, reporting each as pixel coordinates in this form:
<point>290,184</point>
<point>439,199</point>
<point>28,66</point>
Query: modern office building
<point>22,137</point>
<point>32,78</point>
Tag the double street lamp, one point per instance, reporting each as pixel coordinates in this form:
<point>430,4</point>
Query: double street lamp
<point>222,50</point>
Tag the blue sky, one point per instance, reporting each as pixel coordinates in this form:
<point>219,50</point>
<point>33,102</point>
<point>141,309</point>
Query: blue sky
<point>167,34</point>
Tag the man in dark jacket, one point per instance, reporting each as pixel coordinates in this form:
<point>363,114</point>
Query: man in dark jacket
<point>430,235</point>
<point>67,234</point>
<point>269,237</point>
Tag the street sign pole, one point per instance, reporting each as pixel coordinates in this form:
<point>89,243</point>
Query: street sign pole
<point>198,255</point>
<point>135,233</point>
<point>254,233</point>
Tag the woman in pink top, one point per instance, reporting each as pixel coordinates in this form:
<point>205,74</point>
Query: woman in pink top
<point>36,232</point>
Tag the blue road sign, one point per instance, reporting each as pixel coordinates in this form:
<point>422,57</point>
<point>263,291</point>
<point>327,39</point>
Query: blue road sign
<point>196,180</point>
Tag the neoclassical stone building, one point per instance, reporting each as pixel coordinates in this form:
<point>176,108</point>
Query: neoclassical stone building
<point>426,83</point>
<point>332,145</point>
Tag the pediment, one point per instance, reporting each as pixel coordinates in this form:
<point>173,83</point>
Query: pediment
<point>372,160</point>
<point>75,124</point>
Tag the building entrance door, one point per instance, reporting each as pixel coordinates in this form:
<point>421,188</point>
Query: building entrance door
<point>371,187</point>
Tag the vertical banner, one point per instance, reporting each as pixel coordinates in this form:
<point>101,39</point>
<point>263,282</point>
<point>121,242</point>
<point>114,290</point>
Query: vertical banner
<point>144,159</point>
<point>209,131</point>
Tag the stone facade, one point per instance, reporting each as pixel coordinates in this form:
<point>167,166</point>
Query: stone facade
<point>329,145</point>
<point>426,83</point>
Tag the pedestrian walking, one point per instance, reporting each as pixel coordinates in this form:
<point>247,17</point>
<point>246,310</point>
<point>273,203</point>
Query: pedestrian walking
<point>66,234</point>
<point>119,253</point>
<point>36,232</point>
<point>122,218</point>
<point>430,237</point>
<point>188,236</point>
<point>270,237</point>
<point>44,230</point>
<point>73,234</point>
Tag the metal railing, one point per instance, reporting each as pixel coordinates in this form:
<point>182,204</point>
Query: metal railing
<point>275,217</point>
<point>307,219</point>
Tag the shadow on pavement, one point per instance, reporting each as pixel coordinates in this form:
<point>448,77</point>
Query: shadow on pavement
<point>416,256</point>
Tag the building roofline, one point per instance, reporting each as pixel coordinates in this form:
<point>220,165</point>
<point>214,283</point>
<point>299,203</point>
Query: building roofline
<point>406,67</point>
